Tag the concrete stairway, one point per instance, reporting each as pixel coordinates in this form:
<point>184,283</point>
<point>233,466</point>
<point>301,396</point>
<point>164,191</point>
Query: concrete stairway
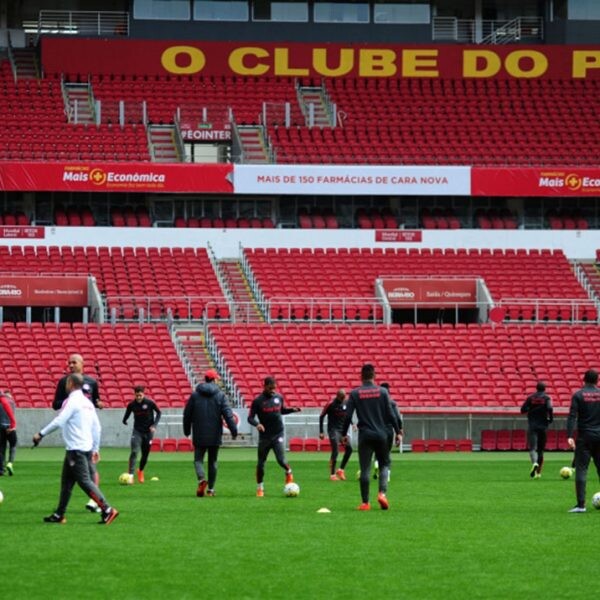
<point>79,103</point>
<point>253,144</point>
<point>25,63</point>
<point>196,354</point>
<point>246,310</point>
<point>314,96</point>
<point>163,148</point>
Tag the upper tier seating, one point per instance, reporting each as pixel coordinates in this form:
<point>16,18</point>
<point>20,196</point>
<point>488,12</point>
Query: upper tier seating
<point>156,279</point>
<point>429,367</point>
<point>476,122</point>
<point>509,274</point>
<point>118,357</point>
<point>387,121</point>
<point>34,126</point>
<point>165,94</point>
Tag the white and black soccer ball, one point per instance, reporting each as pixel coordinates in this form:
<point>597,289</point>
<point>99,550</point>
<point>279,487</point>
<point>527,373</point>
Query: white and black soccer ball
<point>596,500</point>
<point>291,490</point>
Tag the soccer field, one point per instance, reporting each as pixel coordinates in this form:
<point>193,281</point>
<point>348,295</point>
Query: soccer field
<point>459,526</point>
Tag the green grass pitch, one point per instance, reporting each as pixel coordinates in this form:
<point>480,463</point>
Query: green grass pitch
<point>460,526</point>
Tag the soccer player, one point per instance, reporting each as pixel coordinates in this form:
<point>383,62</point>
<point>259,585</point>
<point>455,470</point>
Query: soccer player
<point>203,417</point>
<point>375,415</point>
<point>90,391</point>
<point>11,436</point>
<point>585,414</point>
<point>8,424</point>
<point>538,407</point>
<point>266,415</point>
<point>391,436</point>
<point>146,416</point>
<point>335,411</point>
<point>81,430</point>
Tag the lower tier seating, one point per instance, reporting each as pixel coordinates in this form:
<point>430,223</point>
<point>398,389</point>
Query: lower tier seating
<point>449,368</point>
<point>34,357</point>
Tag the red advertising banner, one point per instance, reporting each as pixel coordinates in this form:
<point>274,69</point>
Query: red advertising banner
<point>398,235</point>
<point>22,231</point>
<point>568,181</point>
<point>115,177</point>
<point>435,293</point>
<point>18,290</point>
<point>260,59</point>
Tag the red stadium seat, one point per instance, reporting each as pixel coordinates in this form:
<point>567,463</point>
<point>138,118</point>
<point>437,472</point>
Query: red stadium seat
<point>296,444</point>
<point>185,445</point>
<point>169,445</point>
<point>488,439</point>
<point>311,444</point>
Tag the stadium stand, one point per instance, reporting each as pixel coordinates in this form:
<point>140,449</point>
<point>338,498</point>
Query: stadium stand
<point>473,368</point>
<point>181,280</point>
<point>351,273</point>
<point>117,356</point>
<point>397,121</point>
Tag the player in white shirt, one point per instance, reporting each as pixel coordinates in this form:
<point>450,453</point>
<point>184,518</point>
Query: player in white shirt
<point>81,433</point>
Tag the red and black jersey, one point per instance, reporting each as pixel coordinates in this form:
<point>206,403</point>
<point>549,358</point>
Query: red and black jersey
<point>267,410</point>
<point>538,407</point>
<point>89,389</point>
<point>145,414</point>
<point>374,411</point>
<point>336,412</point>
<point>585,411</point>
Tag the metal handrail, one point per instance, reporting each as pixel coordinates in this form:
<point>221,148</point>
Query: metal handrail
<point>84,22</point>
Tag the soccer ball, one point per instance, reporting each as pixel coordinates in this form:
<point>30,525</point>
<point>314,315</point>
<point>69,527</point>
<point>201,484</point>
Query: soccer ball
<point>126,479</point>
<point>596,500</point>
<point>1,497</point>
<point>566,472</point>
<point>291,490</point>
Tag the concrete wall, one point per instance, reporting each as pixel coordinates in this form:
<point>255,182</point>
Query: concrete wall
<point>226,242</point>
<point>305,424</point>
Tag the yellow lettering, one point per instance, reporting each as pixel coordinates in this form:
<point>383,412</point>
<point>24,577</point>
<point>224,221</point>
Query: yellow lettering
<point>513,66</point>
<point>282,64</point>
<point>377,63</point>
<point>194,57</point>
<point>480,63</point>
<point>237,61</point>
<point>344,66</point>
<point>584,60</point>
<point>420,63</point>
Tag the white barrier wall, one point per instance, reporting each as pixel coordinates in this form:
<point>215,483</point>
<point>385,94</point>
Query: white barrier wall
<point>226,242</point>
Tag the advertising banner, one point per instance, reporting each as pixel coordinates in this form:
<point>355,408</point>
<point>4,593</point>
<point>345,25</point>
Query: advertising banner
<point>536,182</point>
<point>435,293</point>
<point>115,177</point>
<point>398,235</point>
<point>352,179</point>
<point>321,60</point>
<point>22,232</point>
<point>17,290</point>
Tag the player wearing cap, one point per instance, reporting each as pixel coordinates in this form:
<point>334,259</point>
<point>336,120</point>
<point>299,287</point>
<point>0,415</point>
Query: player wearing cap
<point>335,411</point>
<point>538,408</point>
<point>203,417</point>
<point>374,411</point>
<point>146,416</point>
<point>265,414</point>
<point>90,391</point>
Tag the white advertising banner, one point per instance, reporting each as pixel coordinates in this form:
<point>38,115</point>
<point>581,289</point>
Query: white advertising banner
<point>352,179</point>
